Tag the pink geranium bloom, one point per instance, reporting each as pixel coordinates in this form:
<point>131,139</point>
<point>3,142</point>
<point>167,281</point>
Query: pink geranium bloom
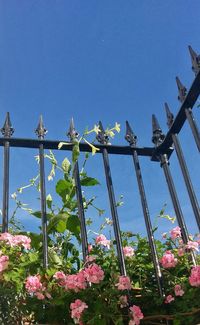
<point>194,278</point>
<point>168,260</point>
<point>192,245</point>
<point>175,233</point>
<point>33,284</point>
<point>124,283</point>
<point>17,240</point>
<point>93,273</point>
<point>102,240</point>
<point>169,299</point>
<point>136,314</point>
<point>77,308</point>
<point>75,282</point>
<point>181,251</point>
<point>4,260</point>
<point>128,251</point>
<point>178,290</point>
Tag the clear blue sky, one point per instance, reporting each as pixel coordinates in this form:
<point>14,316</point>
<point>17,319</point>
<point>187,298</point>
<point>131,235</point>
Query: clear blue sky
<point>108,60</point>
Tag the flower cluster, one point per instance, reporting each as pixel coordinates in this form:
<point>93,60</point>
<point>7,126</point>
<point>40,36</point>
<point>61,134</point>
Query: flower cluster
<point>168,260</point>
<point>77,308</point>
<point>102,240</point>
<point>35,287</point>
<point>124,283</point>
<point>194,278</point>
<point>76,282</point>
<point>16,240</point>
<point>136,315</point>
<point>4,260</point>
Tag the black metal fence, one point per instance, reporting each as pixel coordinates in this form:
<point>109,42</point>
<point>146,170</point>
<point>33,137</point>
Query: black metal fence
<point>164,145</point>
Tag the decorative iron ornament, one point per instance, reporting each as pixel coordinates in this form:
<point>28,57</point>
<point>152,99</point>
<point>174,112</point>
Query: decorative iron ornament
<point>158,136</point>
<point>72,133</point>
<point>195,58</point>
<point>182,90</point>
<point>102,137</point>
<point>41,131</point>
<point>170,116</point>
<point>7,130</point>
<point>130,135</point>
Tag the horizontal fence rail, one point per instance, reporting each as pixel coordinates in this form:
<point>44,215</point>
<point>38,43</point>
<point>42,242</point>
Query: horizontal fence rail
<point>163,148</point>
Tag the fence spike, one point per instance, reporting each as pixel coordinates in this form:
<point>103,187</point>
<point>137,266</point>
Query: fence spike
<point>41,130</point>
<point>182,90</point>
<point>72,133</point>
<point>170,116</point>
<point>158,136</point>
<point>130,135</point>
<point>195,58</point>
<point>102,137</point>
<point>7,129</point>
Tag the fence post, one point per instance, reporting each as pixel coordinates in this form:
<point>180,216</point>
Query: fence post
<point>73,134</point>
<point>103,139</point>
<point>41,131</point>
<point>7,131</point>
<point>132,139</point>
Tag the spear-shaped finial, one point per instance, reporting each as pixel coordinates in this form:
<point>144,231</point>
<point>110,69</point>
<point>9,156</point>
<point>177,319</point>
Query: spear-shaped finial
<point>72,133</point>
<point>158,136</point>
<point>195,58</point>
<point>7,130</point>
<point>102,137</point>
<point>170,116</point>
<point>41,130</point>
<point>182,90</point>
<point>130,135</point>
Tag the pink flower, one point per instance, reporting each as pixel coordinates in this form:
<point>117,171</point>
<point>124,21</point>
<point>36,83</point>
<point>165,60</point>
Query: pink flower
<point>77,308</point>
<point>169,299</point>
<point>39,295</point>
<point>33,284</point>
<point>168,260</point>
<point>21,240</point>
<point>102,240</point>
<point>94,273</point>
<point>193,245</point>
<point>175,232</point>
<point>128,251</point>
<point>181,251</point>
<point>90,259</point>
<point>89,248</point>
<point>123,301</point>
<point>4,259</point>
<point>75,282</point>
<point>124,283</point>
<point>194,278</point>
<point>18,240</point>
<point>178,290</point>
<point>136,314</point>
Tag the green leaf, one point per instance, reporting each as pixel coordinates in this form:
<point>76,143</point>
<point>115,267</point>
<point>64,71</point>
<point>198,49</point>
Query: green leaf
<point>57,223</point>
<point>89,181</point>
<point>38,214</point>
<point>75,152</point>
<point>63,188</point>
<point>73,225</point>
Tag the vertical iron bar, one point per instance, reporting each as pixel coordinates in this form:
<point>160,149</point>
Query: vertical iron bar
<point>157,139</point>
<point>5,187</point>
<point>194,127</point>
<point>132,139</point>
<point>41,131</point>
<point>177,208</point>
<point>81,211</point>
<point>7,132</point>
<point>73,134</point>
<point>148,224</point>
<point>113,207</point>
<point>184,169</point>
<point>187,179</point>
<point>103,138</point>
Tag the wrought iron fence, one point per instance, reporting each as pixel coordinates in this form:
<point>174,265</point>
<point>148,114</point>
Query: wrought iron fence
<point>164,145</point>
